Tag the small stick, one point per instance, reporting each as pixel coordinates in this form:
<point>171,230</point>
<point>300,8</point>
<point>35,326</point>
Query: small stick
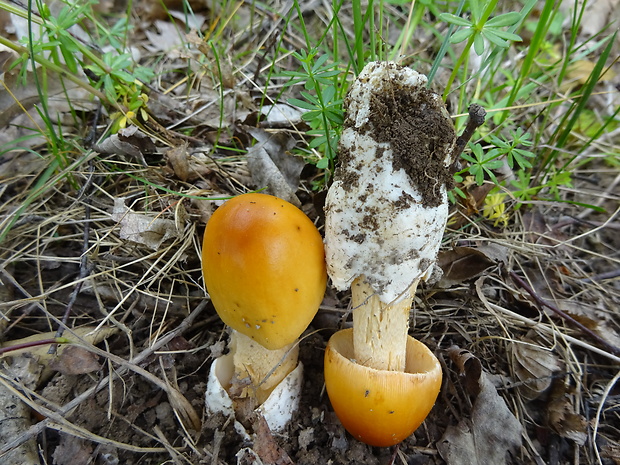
<point>120,371</point>
<point>543,303</point>
<point>394,454</point>
<point>477,114</point>
<point>84,266</point>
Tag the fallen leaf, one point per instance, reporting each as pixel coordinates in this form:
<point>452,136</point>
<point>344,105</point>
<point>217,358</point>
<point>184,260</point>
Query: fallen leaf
<point>460,264</point>
<point>75,360</point>
<point>247,456</point>
<point>490,434</point>
<point>129,142</point>
<point>578,73</point>
<point>266,446</point>
<point>178,159</point>
<point>72,450</point>
<point>143,229</point>
<point>272,165</point>
<point>597,15</point>
<point>281,115</point>
<point>612,452</point>
<point>469,367</point>
<point>15,415</point>
<point>168,37</point>
<point>533,367</point>
<point>562,417</point>
<point>40,353</point>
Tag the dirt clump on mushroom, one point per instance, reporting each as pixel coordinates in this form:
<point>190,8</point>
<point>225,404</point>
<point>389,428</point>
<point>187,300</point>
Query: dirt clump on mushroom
<point>414,125</point>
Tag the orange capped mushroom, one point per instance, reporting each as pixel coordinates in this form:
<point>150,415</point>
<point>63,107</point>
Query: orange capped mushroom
<point>264,268</point>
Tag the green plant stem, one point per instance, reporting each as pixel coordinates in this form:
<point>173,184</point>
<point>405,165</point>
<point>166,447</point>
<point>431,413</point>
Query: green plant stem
<point>464,58</point>
<point>444,48</point>
<point>416,12</point>
<point>536,42</point>
<point>28,345</point>
<point>457,66</point>
<point>358,24</point>
<point>567,124</point>
<point>18,11</point>
<point>61,71</point>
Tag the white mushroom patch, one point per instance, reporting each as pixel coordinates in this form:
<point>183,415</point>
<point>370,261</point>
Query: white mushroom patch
<point>387,208</point>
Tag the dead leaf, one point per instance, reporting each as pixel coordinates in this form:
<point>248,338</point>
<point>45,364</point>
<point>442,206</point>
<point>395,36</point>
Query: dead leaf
<point>75,360</point>
<point>281,115</point>
<point>129,142</point>
<point>272,165</point>
<point>143,229</point>
<point>562,417</point>
<point>597,15</point>
<point>266,446</point>
<point>469,367</point>
<point>460,264</point>
<point>541,232</point>
<point>15,415</point>
<point>178,159</point>
<point>247,456</point>
<point>612,452</point>
<point>194,21</point>
<point>168,37</point>
<point>533,366</point>
<point>40,353</point>
<point>490,434</point>
<point>578,73</point>
<point>72,451</point>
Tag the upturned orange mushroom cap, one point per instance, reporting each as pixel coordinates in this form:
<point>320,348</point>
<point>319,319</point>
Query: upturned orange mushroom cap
<point>380,407</point>
<point>264,268</point>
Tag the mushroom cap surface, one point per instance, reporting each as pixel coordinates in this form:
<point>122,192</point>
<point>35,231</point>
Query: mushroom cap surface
<point>387,208</point>
<point>380,407</point>
<point>263,264</point>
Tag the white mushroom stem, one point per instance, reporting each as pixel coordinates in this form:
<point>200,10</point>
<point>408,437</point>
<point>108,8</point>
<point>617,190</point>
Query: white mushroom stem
<point>257,371</point>
<point>379,329</point>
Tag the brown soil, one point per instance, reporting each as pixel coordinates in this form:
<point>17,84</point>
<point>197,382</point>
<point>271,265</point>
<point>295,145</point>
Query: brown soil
<point>115,241</point>
<point>420,134</point>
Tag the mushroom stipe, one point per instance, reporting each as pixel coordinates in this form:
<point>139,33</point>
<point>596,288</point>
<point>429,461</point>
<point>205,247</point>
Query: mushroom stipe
<point>385,214</point>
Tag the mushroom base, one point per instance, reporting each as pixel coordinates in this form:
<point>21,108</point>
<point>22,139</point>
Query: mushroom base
<point>379,407</point>
<point>277,409</point>
<point>258,370</point>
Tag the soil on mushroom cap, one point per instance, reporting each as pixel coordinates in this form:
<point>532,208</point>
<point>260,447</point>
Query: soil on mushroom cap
<point>420,133</point>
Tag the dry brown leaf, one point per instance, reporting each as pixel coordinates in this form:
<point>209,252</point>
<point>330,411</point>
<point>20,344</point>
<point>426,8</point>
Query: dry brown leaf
<point>578,73</point>
<point>247,456</point>
<point>611,452</point>
<point>460,264</point>
<point>533,366</point>
<point>469,367</point>
<point>72,451</point>
<point>562,417</point>
<point>178,159</point>
<point>490,434</point>
<point>266,446</point>
<point>40,353</point>
<point>75,360</point>
<point>15,415</point>
<point>143,229</point>
<point>272,165</point>
<point>129,142</point>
